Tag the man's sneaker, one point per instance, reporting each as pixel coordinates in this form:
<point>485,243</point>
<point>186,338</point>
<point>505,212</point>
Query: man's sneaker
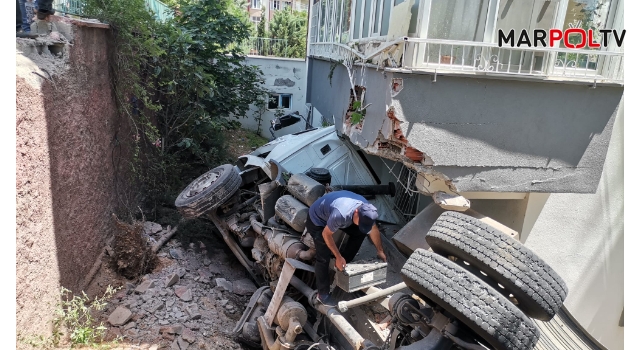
<point>326,300</point>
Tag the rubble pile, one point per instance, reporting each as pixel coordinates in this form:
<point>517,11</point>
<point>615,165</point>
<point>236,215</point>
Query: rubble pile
<point>192,303</point>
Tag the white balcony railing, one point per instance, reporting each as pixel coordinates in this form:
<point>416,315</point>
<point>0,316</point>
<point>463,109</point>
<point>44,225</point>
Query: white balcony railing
<point>483,58</point>
<point>266,47</point>
<point>478,58</point>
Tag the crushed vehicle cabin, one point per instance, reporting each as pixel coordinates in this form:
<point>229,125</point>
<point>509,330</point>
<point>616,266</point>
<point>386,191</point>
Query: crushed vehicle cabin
<point>475,288</point>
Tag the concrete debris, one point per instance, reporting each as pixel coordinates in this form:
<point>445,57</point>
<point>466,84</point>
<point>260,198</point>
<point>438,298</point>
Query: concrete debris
<point>151,228</point>
<point>184,293</point>
<point>173,308</point>
<point>183,344</point>
<point>189,336</point>
<point>120,316</point>
<point>176,254</point>
<point>205,275</point>
<point>171,280</point>
<point>450,201</point>
<point>144,286</point>
<point>193,312</point>
<point>223,283</point>
<point>244,287</point>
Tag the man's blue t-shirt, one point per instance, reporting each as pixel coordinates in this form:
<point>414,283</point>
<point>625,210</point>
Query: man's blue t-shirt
<point>335,209</point>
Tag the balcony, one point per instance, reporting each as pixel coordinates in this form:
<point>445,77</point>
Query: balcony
<point>266,47</point>
<point>460,37</point>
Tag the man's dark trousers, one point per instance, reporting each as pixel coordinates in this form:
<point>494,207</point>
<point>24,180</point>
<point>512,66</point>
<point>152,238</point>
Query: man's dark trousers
<point>323,254</point>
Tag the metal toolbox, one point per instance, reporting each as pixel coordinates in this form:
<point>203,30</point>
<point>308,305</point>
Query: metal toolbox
<point>361,275</point>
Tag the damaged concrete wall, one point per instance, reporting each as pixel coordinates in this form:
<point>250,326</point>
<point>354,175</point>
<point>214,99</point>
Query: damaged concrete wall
<point>478,135</point>
<point>66,124</point>
<point>582,237</point>
<point>282,76</point>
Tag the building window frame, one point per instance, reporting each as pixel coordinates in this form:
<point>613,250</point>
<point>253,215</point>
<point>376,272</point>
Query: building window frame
<point>256,4</point>
<point>280,101</point>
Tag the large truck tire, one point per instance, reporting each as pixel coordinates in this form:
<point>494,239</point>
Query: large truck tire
<point>208,191</point>
<point>518,272</point>
<point>485,311</point>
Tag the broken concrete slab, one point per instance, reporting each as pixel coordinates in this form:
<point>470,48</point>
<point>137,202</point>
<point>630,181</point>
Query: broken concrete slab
<point>144,286</point>
<point>189,336</point>
<point>184,293</point>
<point>244,287</point>
<point>193,312</point>
<point>171,280</point>
<point>449,201</point>
<point>175,329</point>
<point>130,325</point>
<point>120,316</point>
<point>176,254</point>
<point>223,283</point>
<point>151,228</point>
<point>183,344</point>
<point>205,275</point>
<point>154,306</point>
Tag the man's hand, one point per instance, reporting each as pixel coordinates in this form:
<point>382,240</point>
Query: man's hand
<point>382,256</point>
<point>340,263</point>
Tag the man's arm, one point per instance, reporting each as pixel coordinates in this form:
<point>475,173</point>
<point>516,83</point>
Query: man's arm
<point>377,241</point>
<point>328,239</point>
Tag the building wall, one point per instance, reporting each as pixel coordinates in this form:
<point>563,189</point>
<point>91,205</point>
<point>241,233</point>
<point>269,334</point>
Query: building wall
<point>66,127</point>
<point>282,75</point>
<point>485,135</point>
<point>582,237</point>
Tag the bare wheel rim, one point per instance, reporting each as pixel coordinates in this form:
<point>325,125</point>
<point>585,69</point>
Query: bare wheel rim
<point>202,183</point>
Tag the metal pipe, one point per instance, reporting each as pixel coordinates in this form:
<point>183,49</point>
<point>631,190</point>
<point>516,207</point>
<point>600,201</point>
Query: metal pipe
<point>353,337</point>
<point>311,332</point>
<point>302,288</point>
<point>368,190</point>
<point>294,329</point>
<point>235,249</point>
<point>346,305</point>
<point>266,335</point>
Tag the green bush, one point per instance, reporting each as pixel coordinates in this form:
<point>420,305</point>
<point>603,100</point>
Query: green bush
<point>180,84</point>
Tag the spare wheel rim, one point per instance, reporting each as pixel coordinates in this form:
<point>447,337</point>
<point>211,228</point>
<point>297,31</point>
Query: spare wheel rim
<point>202,183</point>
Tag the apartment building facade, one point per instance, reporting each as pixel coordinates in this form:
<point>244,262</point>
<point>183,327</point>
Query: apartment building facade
<point>530,135</point>
<point>255,8</point>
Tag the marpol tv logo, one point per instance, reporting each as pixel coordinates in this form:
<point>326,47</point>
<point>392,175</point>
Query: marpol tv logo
<point>573,38</point>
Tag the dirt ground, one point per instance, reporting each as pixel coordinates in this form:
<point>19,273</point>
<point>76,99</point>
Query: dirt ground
<point>242,141</point>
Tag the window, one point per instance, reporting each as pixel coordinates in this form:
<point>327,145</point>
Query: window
<point>256,4</point>
<point>255,19</point>
<point>275,4</point>
<point>371,18</point>
<point>279,101</point>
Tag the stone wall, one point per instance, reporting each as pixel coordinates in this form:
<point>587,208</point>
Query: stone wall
<point>67,150</point>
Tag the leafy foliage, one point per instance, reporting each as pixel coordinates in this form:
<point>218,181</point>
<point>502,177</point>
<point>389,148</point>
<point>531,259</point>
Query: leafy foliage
<point>181,84</point>
<point>262,26</point>
<point>292,26</point>
<point>75,321</point>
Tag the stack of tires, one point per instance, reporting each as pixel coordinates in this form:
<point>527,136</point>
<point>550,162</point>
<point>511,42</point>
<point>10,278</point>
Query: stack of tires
<point>489,281</point>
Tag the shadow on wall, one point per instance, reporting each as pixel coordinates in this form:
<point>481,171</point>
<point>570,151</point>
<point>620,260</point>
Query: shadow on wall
<point>556,122</point>
<point>83,127</point>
